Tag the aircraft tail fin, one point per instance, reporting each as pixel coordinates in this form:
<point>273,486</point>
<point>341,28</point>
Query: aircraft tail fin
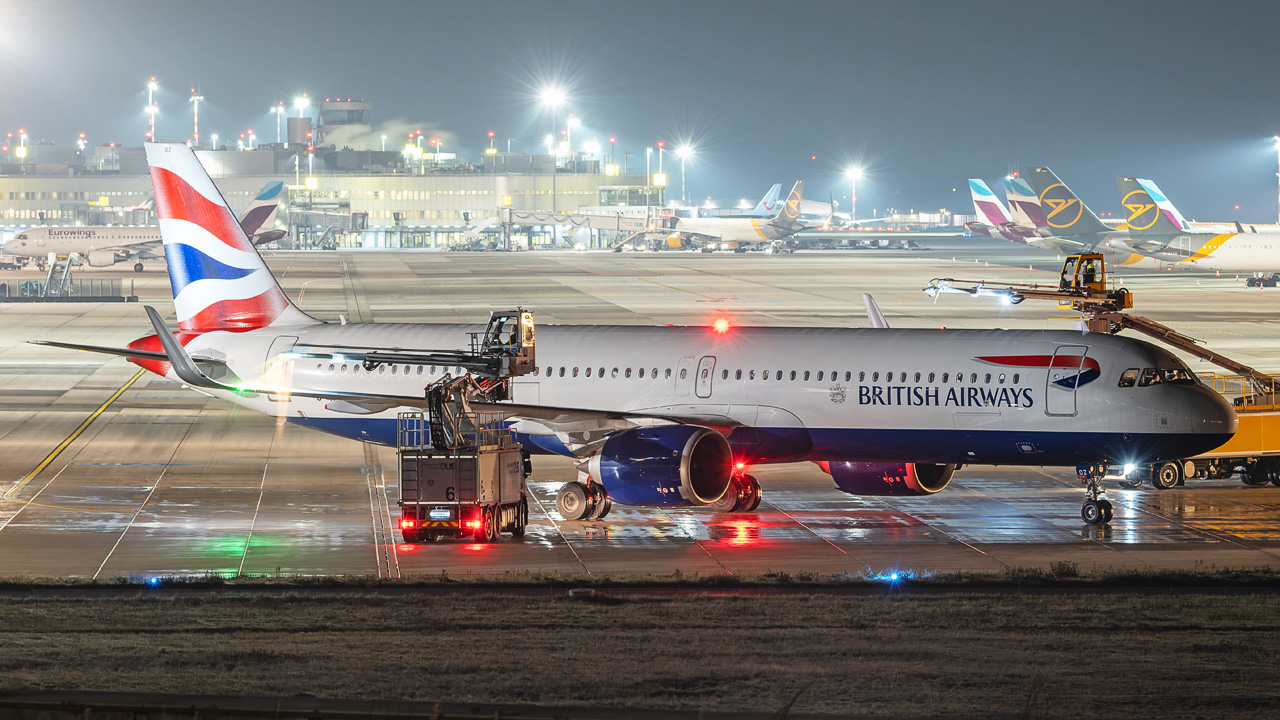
<point>1147,210</point>
<point>1064,213</point>
<point>789,214</point>
<point>218,279</point>
<point>261,213</point>
<point>768,204</point>
<point>1024,205</point>
<point>986,204</point>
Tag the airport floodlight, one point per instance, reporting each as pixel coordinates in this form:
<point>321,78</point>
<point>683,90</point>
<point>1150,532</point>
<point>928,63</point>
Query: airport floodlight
<point>853,173</point>
<point>575,121</point>
<point>152,85</point>
<point>552,96</point>
<point>684,152</point>
<point>591,146</point>
<point>300,104</point>
<point>215,140</point>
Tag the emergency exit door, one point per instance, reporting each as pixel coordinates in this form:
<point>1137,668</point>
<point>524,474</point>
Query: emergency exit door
<point>706,374</point>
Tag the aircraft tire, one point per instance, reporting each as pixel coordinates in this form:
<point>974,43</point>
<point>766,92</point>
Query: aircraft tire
<point>1091,512</point>
<point>1107,511</point>
<point>571,501</point>
<point>754,487</point>
<point>1166,476</point>
<point>735,497</point>
<point>602,508</point>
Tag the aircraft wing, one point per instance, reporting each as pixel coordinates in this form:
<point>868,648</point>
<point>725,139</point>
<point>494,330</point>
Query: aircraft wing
<point>1058,245</point>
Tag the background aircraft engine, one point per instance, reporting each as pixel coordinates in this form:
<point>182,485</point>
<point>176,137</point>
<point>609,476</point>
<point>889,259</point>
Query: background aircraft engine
<point>865,478</point>
<point>664,466</point>
<point>102,258</point>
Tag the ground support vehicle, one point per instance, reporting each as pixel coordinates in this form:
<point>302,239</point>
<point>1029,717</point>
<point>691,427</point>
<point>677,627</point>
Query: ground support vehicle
<point>1262,280</point>
<point>476,489</point>
<point>1253,452</point>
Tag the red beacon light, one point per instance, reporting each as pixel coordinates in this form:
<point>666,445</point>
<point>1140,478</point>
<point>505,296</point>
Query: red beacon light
<point>721,325</point>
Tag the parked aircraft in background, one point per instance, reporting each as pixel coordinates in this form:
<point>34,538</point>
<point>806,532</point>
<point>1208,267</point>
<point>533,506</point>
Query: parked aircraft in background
<point>1158,230</point>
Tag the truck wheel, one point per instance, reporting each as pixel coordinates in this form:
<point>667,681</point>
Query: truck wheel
<point>1166,476</point>
<point>1254,475</point>
<point>491,524</point>
<point>522,518</point>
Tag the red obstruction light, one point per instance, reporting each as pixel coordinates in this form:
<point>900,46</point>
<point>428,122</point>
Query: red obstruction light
<point>721,325</point>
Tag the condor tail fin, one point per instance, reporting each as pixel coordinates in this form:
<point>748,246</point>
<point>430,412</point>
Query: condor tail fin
<point>218,279</point>
<point>1064,213</point>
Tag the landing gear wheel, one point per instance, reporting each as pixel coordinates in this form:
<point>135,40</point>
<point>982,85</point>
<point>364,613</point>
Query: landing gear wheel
<point>571,501</point>
<point>1107,510</point>
<point>490,529</point>
<point>735,497</point>
<point>137,267</point>
<point>754,501</point>
<point>602,508</point>
<point>1091,512</point>
<point>1166,476</point>
<point>522,518</point>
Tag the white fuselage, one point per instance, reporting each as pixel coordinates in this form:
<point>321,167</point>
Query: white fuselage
<point>794,393</point>
<point>1225,252</point>
<point>733,230</point>
<point>101,245</point>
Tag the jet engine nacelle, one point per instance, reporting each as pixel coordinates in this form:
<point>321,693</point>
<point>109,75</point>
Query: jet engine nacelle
<point>868,478</point>
<point>103,258</point>
<point>670,465</point>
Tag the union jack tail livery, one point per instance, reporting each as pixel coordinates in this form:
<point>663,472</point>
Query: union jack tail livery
<point>219,281</point>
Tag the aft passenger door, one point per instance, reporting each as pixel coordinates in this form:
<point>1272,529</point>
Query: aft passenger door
<point>279,370</point>
<point>1062,377</point>
<point>706,373</point>
<point>683,381</point>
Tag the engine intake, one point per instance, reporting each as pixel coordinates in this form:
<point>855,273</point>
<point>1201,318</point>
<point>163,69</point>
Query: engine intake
<point>671,465</point>
<point>901,479</point>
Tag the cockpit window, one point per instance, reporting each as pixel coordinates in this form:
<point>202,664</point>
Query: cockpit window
<point>1129,377</point>
<point>1171,376</point>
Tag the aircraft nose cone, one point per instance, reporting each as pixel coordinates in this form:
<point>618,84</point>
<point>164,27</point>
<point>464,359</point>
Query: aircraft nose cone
<point>1214,415</point>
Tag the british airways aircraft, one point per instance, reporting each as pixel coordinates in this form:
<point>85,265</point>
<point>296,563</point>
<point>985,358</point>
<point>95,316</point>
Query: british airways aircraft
<point>676,416</point>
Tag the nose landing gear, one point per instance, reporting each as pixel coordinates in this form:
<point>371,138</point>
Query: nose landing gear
<point>1096,509</point>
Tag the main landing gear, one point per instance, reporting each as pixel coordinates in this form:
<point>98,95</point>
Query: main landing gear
<point>583,501</point>
<point>742,496</point>
<point>1096,510</point>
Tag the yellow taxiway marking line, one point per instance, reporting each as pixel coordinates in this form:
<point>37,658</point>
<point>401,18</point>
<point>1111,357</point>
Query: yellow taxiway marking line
<point>72,437</point>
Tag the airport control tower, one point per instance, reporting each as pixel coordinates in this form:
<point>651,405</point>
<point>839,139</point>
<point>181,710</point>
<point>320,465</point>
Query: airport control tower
<point>344,121</point>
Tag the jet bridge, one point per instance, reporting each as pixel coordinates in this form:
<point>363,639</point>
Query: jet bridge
<point>631,227</point>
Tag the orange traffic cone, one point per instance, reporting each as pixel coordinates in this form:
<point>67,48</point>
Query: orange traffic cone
<point>1197,283</point>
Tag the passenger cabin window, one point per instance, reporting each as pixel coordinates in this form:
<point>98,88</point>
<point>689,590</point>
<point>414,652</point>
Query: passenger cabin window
<point>588,372</point>
<point>737,374</point>
<point>944,377</point>
<point>684,373</point>
<point>724,374</point>
<point>667,375</point>
<point>751,374</point>
<point>612,374</point>
<point>875,377</point>
<point>1129,377</point>
<point>847,375</point>
<point>917,377</point>
<point>766,374</point>
<point>819,376</point>
<point>793,374</point>
<point>806,376</point>
<point>628,372</point>
<point>862,375</point>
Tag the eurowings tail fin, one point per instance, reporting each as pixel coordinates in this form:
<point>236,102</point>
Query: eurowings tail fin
<point>218,279</point>
<point>1024,206</point>
<point>986,204</point>
<point>261,213</point>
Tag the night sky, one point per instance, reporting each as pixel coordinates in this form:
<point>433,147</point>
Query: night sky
<point>922,94</point>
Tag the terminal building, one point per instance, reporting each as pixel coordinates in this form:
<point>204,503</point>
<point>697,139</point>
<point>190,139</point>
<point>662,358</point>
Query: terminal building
<point>343,189</point>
